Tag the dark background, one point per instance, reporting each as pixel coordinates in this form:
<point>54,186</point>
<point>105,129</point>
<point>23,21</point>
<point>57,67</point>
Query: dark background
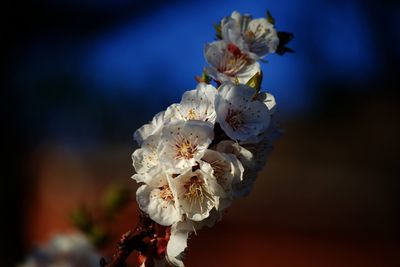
<point>81,76</point>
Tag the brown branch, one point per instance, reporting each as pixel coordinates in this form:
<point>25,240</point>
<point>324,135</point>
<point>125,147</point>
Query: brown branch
<point>131,241</point>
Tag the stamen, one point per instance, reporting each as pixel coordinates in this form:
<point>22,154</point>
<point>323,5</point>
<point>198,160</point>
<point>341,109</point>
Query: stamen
<point>234,118</point>
<point>185,149</point>
<point>191,114</point>
<point>196,192</point>
<point>232,61</point>
<point>166,193</point>
<point>249,37</point>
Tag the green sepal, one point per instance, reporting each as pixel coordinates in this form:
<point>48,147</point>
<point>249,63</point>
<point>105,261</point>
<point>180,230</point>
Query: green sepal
<point>284,39</point>
<point>204,78</point>
<point>270,18</point>
<point>81,219</point>
<point>218,30</point>
<point>255,82</point>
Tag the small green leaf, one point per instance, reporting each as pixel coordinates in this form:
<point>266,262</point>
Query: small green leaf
<point>270,18</point>
<point>255,81</point>
<point>97,235</point>
<point>204,78</point>
<point>115,199</point>
<point>218,30</point>
<point>81,219</point>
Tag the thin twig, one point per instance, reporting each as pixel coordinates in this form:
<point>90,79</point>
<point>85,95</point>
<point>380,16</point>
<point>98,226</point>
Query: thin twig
<point>130,241</point>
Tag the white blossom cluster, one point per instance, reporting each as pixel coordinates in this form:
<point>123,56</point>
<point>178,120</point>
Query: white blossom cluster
<point>199,155</point>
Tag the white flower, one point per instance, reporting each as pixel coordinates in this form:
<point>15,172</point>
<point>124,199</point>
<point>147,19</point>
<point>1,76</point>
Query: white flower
<point>273,131</point>
<point>152,128</point>
<point>184,142</point>
<point>146,157</point>
<point>64,250</point>
<point>263,147</point>
<point>245,156</point>
<point>180,233</point>
<point>177,243</point>
<point>228,63</point>
<point>227,170</point>
<point>157,199</point>
<point>243,187</point>
<point>197,104</point>
<point>239,115</point>
<point>198,192</point>
<point>256,36</point>
<point>189,178</point>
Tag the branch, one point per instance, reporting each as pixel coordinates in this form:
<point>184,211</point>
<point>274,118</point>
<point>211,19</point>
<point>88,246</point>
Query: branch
<point>131,241</point>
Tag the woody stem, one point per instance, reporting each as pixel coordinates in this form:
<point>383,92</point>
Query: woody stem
<point>130,241</point>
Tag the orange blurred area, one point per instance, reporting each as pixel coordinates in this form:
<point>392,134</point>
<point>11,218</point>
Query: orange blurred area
<point>322,200</point>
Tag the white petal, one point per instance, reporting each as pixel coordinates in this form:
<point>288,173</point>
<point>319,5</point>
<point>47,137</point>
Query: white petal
<point>236,16</point>
<point>231,33</point>
<point>216,75</point>
<point>214,52</point>
<point>236,94</point>
<point>198,207</point>
<point>248,72</point>
<point>266,39</point>
<point>149,129</point>
<point>154,177</point>
<point>159,210</point>
<point>198,104</point>
<point>245,156</point>
<point>194,135</point>
<point>268,100</point>
<point>146,157</point>
<point>226,168</point>
<point>177,244</point>
<point>237,167</point>
<point>238,115</point>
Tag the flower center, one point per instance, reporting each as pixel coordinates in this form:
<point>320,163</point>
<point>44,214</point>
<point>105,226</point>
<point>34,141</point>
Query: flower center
<point>196,192</point>
<point>232,61</point>
<point>256,38</point>
<point>185,149</point>
<point>166,193</point>
<point>191,114</point>
<point>234,118</point>
<point>249,36</point>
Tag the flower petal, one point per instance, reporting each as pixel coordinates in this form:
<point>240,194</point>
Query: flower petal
<point>159,210</point>
<point>177,243</point>
<point>184,142</point>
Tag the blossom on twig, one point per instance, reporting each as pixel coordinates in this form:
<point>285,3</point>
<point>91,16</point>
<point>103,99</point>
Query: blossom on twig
<point>199,155</point>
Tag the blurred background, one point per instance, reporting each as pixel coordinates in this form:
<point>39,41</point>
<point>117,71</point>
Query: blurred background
<point>81,76</point>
